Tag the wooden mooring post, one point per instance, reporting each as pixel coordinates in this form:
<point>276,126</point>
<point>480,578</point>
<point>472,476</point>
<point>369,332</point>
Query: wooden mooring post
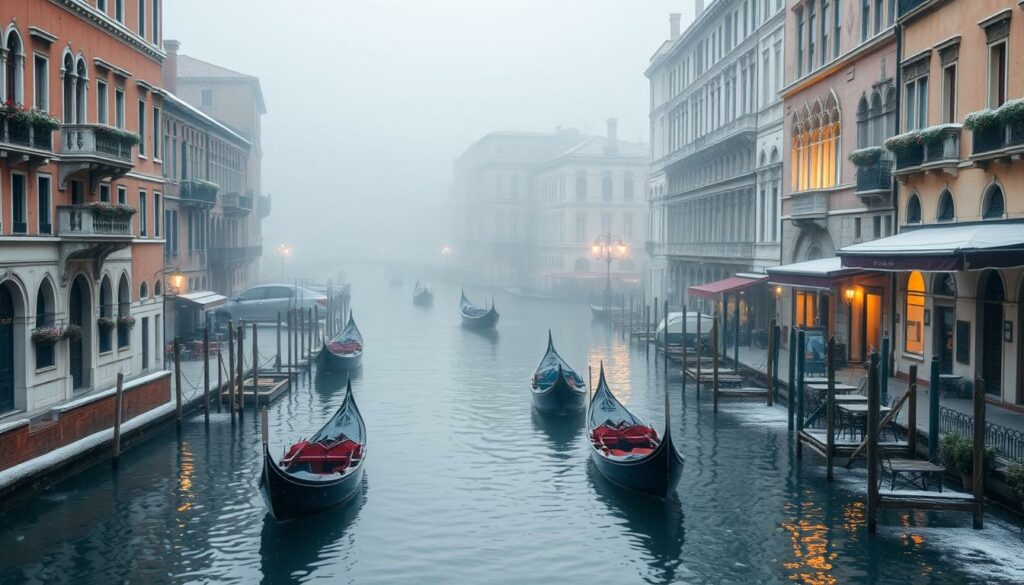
<point>666,340</point>
<point>231,371</point>
<point>979,453</point>
<point>873,453</point>
<point>220,374</point>
<point>206,375</point>
<point>277,357</point>
<point>912,412</point>
<point>714,362</point>
<point>291,316</point>
<point>830,409</point>
<point>771,363</point>
<point>700,350</point>
<point>800,368</point>
<point>316,325</point>
<point>736,332</point>
<point>791,390</point>
<point>685,350</point>
<point>255,372</point>
<point>118,413</point>
<point>933,410</point>
<point>240,373</point>
<point>777,336</point>
<point>177,382</point>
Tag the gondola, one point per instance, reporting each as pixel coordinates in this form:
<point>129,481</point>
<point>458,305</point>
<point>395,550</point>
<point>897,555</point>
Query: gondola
<point>422,294</point>
<point>627,450</point>
<point>345,350</point>
<point>477,317</point>
<point>557,389</point>
<point>599,312</point>
<point>318,473</point>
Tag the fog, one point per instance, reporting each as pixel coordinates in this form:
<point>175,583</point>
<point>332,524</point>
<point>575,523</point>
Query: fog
<point>370,101</point>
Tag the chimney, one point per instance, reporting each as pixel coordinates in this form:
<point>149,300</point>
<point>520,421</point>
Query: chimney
<point>700,9</point>
<point>613,136</point>
<point>170,68</point>
<point>673,25</point>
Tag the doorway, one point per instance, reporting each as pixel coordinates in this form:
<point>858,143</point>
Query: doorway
<point>79,305</point>
<point>145,343</point>
<point>945,325</point>
<point>6,350</point>
<point>992,333</point>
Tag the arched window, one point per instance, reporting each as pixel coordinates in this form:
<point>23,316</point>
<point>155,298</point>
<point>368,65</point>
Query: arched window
<point>81,88</point>
<point>106,312</point>
<point>143,290</point>
<point>158,288</point>
<point>68,76</point>
<point>45,302</point>
<point>816,136</point>
<point>944,285</point>
<point>124,304</point>
<point>993,207</point>
<point>914,318</point>
<point>946,210</point>
<point>914,209</point>
<point>14,68</point>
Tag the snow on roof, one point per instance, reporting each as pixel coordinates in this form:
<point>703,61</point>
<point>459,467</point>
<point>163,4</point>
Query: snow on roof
<point>943,240</point>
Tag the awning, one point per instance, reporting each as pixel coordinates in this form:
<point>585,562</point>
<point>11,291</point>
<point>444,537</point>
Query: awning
<point>812,273</point>
<point>712,290</point>
<point>942,249</point>
<point>204,299</point>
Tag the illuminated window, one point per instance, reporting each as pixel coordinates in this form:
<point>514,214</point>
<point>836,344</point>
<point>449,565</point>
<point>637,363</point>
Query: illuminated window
<point>914,318</point>
<point>805,309</point>
<point>815,148</point>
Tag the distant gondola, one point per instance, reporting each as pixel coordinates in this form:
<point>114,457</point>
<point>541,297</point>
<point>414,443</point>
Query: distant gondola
<point>557,389</point>
<point>477,317</point>
<point>422,294</point>
<point>599,312</point>
<point>320,472</point>
<point>345,350</point>
<point>628,451</point>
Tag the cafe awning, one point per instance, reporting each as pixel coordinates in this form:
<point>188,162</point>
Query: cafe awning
<point>204,299</point>
<point>712,290</point>
<point>942,249</point>
<point>812,273</point>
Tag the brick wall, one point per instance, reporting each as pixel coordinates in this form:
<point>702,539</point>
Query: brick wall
<point>51,432</point>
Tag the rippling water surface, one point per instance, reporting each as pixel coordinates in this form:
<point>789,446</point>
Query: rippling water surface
<point>465,483</point>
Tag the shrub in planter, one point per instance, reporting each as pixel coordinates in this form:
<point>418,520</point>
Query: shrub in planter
<point>1015,478</point>
<point>866,156</point>
<point>106,323</point>
<point>47,335</point>
<point>38,119</point>
<point>123,136</point>
<point>126,322</point>
<point>1012,112</point>
<point>981,120</point>
<point>73,332</point>
<point>106,210</point>
<point>902,143</point>
<point>932,135</point>
<point>957,451</point>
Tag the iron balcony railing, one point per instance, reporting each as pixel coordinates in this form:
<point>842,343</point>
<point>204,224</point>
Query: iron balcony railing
<point>18,133</point>
<point>1007,442</point>
<point>199,191</point>
<point>990,138</point>
<point>913,156</point>
<point>875,177</point>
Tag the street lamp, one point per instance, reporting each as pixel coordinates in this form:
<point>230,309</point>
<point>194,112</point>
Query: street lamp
<point>282,251</point>
<point>607,247</point>
<point>446,251</point>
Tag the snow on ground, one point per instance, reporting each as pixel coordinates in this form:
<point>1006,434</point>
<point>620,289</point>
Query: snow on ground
<point>755,412</point>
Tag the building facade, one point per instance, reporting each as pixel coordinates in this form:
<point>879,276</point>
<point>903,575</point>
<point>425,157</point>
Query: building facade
<point>957,259</point>
<point>841,104</point>
<point>716,152</point>
<point>593,189</point>
<point>81,181</point>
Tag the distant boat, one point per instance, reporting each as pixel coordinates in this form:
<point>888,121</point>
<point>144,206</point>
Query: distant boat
<point>528,294</point>
<point>557,388</point>
<point>627,450</point>
<point>345,350</point>
<point>675,329</point>
<point>599,312</point>
<point>477,317</point>
<point>318,473</point>
<point>422,294</point>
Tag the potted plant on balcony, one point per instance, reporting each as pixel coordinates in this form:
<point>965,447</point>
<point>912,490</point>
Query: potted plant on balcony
<point>932,135</point>
<point>47,335</point>
<point>125,137</point>
<point>72,332</point>
<point>902,144</point>
<point>981,120</point>
<point>126,321</point>
<point>106,323</point>
<point>108,211</point>
<point>10,108</point>
<point>957,451</point>
<point>866,157</point>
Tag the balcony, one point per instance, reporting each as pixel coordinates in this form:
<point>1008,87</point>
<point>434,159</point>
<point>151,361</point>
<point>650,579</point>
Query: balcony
<point>236,204</point>
<point>874,180</point>
<point>34,144</point>
<point>91,234</point>
<point>727,250</point>
<point>716,141</point>
<point>233,256</point>
<point>198,193</point>
<point>263,205</point>
<point>934,149</point>
<point>809,208</point>
<point>94,151</point>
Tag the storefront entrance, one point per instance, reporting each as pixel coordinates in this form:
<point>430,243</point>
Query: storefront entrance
<point>992,333</point>
<point>79,304</point>
<point>6,350</point>
<point>945,324</point>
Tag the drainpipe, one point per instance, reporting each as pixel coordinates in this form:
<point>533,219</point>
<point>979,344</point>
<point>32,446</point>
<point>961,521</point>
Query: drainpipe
<point>895,195</point>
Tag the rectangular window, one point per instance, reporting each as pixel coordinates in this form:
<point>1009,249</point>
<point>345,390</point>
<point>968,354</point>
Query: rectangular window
<point>142,128</point>
<point>105,193</point>
<point>825,26</point>
<point>856,228</point>
<point>890,16</point>
<point>838,12</point>
<point>122,195</point>
<point>18,195</point>
<point>606,223</point>
<point>156,133</point>
<point>44,199</point>
<point>142,18</point>
<point>581,227</point>
<point>886,226</point>
<point>865,19</point>
<point>876,222</point>
<point>119,10</point>
<point>156,215</point>
<point>101,5</point>
<point>997,75</point>
<point>627,227</point>
<point>915,113</point>
<point>949,94</point>
<point>156,22</point>
<point>41,74</point>
<point>143,217</point>
<point>805,313</point>
<point>119,108</point>
<point>878,16</point>
<point>922,102</point>
<point>206,97</point>
<point>799,42</point>
<point>811,34</point>
<point>101,102</point>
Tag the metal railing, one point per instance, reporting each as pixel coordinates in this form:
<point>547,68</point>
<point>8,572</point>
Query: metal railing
<point>875,177</point>
<point>90,139</point>
<point>22,134</point>
<point>82,220</point>
<point>989,139</point>
<point>1007,442</point>
<point>913,156</point>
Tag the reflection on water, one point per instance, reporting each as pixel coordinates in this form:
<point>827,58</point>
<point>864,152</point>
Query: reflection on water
<point>470,484</point>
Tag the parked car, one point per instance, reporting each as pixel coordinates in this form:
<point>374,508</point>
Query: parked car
<point>265,302</point>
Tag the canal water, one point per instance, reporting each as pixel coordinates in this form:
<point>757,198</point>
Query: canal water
<point>466,484</point>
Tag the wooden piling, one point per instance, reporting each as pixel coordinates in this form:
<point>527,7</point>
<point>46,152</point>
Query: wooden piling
<point>291,316</point>
<point>830,409</point>
<point>220,373</point>
<point>118,413</point>
<point>177,382</point>
<point>316,325</point>
<point>231,370</point>
<point>933,410</point>
<point>240,374</point>
<point>979,452</point>
<point>685,350</point>
<point>771,364</point>
<point>736,333</point>
<point>264,428</point>
<point>700,350</point>
<point>883,372</point>
<point>255,372</point>
<point>777,336</point>
<point>912,412</point>
<point>666,340</point>
<point>872,439</point>
<point>277,358</point>
<point>206,375</point>
<point>714,362</point>
<point>311,326</point>
<point>791,389</point>
<point>801,357</point>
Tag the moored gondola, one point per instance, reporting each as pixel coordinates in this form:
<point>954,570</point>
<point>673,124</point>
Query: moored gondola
<point>598,312</point>
<point>345,350</point>
<point>477,317</point>
<point>627,450</point>
<point>422,294</point>
<point>318,473</point>
<point>557,388</point>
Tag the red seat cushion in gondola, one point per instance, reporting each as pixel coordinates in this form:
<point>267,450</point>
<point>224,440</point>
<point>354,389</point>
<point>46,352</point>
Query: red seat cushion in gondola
<point>628,440</point>
<point>323,458</point>
<point>344,346</point>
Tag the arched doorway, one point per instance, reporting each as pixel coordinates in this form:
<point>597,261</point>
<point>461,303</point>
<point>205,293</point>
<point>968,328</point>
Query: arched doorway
<point>6,349</point>
<point>991,332</point>
<point>79,312</point>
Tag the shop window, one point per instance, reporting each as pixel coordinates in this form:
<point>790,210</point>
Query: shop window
<point>914,315</point>
<point>805,309</point>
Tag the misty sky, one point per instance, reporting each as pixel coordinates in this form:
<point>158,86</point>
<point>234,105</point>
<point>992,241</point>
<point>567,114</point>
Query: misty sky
<point>370,101</point>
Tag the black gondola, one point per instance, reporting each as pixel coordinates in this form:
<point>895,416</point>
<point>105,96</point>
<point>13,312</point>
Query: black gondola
<point>477,317</point>
<point>627,450</point>
<point>598,312</point>
<point>345,350</point>
<point>318,473</point>
<point>557,388</point>
<point>422,294</point>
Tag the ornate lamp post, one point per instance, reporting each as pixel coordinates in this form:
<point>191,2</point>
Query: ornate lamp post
<point>282,252</point>
<point>607,247</point>
<point>446,251</point>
